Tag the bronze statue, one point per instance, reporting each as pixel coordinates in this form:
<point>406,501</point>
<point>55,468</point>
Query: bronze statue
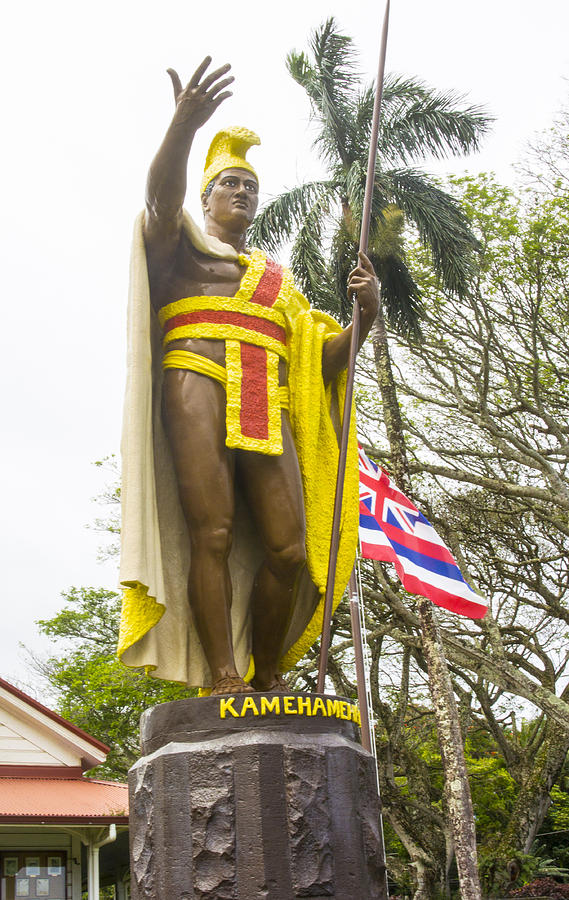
<point>196,389</point>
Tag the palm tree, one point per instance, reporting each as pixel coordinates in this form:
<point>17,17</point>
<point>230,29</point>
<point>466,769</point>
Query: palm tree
<point>416,121</point>
<point>322,218</point>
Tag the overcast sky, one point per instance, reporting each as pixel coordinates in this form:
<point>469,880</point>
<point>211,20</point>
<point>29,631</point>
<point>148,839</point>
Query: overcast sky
<point>85,103</point>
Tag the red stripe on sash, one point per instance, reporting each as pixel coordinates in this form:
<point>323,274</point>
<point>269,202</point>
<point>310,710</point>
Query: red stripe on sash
<point>254,416</point>
<point>269,285</point>
<point>227,317</point>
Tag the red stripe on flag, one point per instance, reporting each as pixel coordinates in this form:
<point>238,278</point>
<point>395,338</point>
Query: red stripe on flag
<point>378,551</point>
<point>448,601</point>
<point>254,395</point>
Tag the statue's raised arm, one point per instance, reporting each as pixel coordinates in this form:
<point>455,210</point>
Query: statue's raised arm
<point>166,186</point>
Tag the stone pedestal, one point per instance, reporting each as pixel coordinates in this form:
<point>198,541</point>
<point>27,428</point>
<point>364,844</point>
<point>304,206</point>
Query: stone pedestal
<point>254,796</point>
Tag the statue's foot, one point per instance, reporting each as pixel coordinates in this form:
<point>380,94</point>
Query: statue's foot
<point>231,684</point>
<point>276,685</point>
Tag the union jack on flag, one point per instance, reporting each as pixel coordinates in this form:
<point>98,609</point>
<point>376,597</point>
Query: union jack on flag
<point>393,530</point>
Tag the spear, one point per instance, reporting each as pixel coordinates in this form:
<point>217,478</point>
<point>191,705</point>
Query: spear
<point>364,237</point>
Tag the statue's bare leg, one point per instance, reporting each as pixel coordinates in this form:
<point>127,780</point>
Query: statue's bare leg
<point>194,418</point>
<point>273,488</point>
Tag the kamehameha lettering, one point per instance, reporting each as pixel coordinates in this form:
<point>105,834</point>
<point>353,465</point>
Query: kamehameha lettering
<point>292,705</point>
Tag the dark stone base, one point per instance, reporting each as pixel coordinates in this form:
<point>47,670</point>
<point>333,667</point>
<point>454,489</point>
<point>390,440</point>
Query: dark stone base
<point>268,802</point>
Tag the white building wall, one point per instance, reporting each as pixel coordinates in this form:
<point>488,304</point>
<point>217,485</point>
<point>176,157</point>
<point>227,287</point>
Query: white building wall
<point>27,729</point>
<point>17,749</point>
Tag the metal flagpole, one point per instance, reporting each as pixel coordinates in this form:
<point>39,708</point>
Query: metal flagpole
<point>367,660</point>
<point>364,236</point>
<point>364,702</point>
<point>359,658</point>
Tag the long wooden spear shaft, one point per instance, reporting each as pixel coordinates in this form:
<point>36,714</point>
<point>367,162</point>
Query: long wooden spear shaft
<point>364,237</point>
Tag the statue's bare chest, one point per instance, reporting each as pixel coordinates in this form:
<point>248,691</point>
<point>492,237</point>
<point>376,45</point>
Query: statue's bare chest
<point>194,275</point>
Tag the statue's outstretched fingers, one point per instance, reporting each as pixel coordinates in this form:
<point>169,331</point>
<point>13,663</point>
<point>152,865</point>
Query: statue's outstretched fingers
<point>219,100</point>
<point>196,77</point>
<point>219,87</point>
<point>214,76</point>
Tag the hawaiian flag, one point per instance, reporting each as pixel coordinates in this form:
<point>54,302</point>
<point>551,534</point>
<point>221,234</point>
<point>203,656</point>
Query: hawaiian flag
<point>393,530</point>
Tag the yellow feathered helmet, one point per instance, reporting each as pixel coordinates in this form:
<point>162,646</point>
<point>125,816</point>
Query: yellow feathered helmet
<point>227,151</point>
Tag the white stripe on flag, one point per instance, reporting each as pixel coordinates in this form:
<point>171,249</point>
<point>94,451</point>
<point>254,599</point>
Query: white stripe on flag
<point>374,536</point>
<point>427,533</point>
<point>450,585</point>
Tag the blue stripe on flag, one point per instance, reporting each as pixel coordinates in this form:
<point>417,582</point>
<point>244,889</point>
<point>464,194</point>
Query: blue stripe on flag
<point>370,522</point>
<point>427,562</point>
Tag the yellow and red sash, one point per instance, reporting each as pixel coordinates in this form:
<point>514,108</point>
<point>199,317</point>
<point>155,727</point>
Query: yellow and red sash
<point>253,326</point>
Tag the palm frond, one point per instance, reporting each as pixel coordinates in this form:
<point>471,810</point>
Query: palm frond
<point>343,258</point>
<point>330,82</point>
<point>363,114</point>
<point>302,71</point>
<point>355,189</point>
<point>418,120</point>
<point>353,185</point>
<point>308,263</point>
<point>307,76</point>
<point>441,223</point>
<point>399,291</point>
<point>400,294</point>
<point>336,61</point>
<point>277,221</point>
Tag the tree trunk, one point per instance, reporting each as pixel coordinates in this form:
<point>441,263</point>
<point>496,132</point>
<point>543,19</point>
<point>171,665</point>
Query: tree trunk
<point>457,788</point>
<point>446,713</point>
<point>531,806</point>
<point>425,882</point>
<point>449,843</point>
<point>423,858</point>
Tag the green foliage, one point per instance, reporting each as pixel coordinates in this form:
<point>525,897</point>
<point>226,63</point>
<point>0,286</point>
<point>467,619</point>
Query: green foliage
<point>558,814</point>
<point>93,689</point>
<point>553,840</point>
<point>492,787</point>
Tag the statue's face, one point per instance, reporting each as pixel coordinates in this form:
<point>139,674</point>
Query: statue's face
<point>234,198</point>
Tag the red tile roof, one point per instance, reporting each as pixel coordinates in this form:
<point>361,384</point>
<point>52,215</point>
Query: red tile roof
<point>58,799</point>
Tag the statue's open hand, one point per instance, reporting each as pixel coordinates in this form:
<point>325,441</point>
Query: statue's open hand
<point>196,102</point>
<point>363,282</point>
